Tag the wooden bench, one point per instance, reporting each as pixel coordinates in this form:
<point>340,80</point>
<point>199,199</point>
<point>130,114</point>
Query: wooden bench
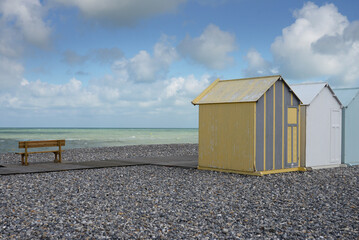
<point>41,144</point>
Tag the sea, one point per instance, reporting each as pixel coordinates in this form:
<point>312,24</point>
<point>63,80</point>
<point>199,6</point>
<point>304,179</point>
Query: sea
<point>96,137</point>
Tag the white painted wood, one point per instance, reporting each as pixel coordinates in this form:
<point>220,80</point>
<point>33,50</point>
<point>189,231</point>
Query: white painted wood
<point>335,133</point>
<point>323,126</point>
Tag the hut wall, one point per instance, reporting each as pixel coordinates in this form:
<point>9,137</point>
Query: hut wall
<point>303,128</point>
<point>351,133</point>
<point>323,134</point>
<point>226,136</point>
<point>272,140</point>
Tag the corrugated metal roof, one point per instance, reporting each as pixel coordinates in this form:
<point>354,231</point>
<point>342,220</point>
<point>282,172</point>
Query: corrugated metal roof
<point>307,91</point>
<point>237,90</point>
<point>346,95</point>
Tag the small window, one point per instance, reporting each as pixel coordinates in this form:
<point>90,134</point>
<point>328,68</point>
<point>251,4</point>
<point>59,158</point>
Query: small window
<point>292,115</point>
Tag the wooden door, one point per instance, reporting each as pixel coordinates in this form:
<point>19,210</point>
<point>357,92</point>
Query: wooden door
<point>292,138</point>
<point>335,136</point>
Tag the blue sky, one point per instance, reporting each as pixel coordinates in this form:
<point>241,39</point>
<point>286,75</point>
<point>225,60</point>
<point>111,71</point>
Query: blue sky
<point>133,63</point>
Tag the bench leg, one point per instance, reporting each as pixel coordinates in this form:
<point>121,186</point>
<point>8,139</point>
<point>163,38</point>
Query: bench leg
<point>59,157</point>
<point>56,160</point>
<point>22,159</point>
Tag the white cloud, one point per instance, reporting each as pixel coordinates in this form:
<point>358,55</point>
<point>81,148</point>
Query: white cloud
<point>10,46</point>
<point>131,99</point>
<point>211,48</point>
<point>175,84</point>
<point>27,16</point>
<point>20,22</point>
<point>257,65</point>
<point>163,52</point>
<point>320,43</point>
<point>43,95</point>
<point>137,87</point>
<point>123,12</point>
<point>182,90</point>
<point>11,73</point>
<point>143,67</point>
<point>103,102</point>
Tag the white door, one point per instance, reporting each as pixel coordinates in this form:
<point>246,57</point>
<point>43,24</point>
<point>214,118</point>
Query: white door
<point>335,132</point>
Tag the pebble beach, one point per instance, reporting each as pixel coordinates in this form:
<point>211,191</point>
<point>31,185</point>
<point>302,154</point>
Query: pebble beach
<point>155,202</point>
<point>108,153</point>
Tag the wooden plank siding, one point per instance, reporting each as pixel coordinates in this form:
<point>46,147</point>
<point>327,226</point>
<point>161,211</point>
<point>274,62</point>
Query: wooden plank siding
<point>226,139</point>
<point>38,144</point>
<point>272,129</point>
<point>247,128</point>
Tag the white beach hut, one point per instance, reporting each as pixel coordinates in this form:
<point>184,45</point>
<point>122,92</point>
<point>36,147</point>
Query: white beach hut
<point>350,130</point>
<point>321,131</point>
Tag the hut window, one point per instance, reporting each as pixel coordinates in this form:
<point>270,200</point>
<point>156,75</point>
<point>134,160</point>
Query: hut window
<point>292,115</point>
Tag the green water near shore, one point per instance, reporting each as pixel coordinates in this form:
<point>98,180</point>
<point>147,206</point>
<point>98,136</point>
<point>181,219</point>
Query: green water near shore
<point>96,137</point>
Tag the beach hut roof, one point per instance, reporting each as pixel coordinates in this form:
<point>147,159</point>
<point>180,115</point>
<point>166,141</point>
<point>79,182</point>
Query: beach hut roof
<point>307,92</point>
<point>236,90</point>
<point>346,95</point>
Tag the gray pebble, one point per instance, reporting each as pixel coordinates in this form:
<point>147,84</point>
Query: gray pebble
<point>144,202</point>
<point>107,153</point>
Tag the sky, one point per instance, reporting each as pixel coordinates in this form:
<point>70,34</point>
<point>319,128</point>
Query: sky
<point>139,64</point>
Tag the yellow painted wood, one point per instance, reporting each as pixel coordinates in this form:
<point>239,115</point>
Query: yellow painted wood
<point>284,170</point>
<point>259,173</point>
<point>236,90</point>
<point>200,96</point>
<point>282,124</point>
<point>254,135</point>
<point>274,126</point>
<point>295,141</point>
<point>226,136</point>
<point>299,126</point>
<point>302,133</point>
<point>230,171</point>
<point>264,131</point>
<point>289,144</point>
<point>292,115</point>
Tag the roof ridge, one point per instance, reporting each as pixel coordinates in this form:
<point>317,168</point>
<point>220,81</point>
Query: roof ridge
<point>239,90</point>
<point>236,79</point>
<point>308,92</point>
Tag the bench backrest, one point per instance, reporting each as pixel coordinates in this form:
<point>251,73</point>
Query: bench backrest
<point>37,144</point>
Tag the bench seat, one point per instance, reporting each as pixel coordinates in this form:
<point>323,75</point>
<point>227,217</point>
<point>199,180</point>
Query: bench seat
<point>38,144</point>
<point>51,151</point>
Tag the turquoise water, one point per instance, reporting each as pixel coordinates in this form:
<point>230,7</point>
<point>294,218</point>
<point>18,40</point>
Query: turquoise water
<point>96,137</point>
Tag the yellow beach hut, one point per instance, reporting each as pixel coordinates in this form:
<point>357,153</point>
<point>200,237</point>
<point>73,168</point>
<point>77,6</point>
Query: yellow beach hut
<point>249,126</point>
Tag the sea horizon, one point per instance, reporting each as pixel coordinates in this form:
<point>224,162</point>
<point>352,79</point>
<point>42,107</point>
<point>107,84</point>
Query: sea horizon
<point>98,127</point>
<point>90,137</point>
